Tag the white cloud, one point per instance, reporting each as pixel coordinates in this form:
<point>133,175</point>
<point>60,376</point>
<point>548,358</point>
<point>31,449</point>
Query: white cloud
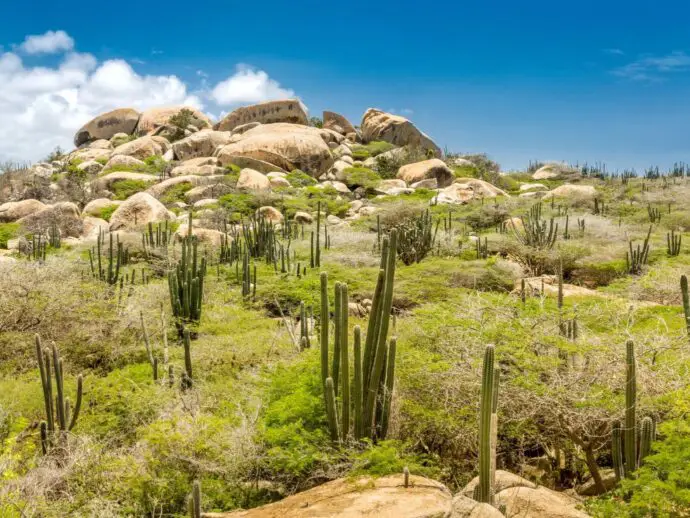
<point>50,42</point>
<point>248,85</point>
<point>43,107</point>
<point>653,68</point>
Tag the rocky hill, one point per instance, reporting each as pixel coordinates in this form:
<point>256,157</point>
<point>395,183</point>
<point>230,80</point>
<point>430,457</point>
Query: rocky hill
<point>278,315</point>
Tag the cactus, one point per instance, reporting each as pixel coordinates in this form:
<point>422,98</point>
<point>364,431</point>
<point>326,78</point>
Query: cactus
<point>188,377</point>
<point>686,301</point>
<point>416,238</point>
<point>538,233</point>
<point>581,226</point>
<point>482,249</point>
<point>646,438</point>
<point>494,426</point>
<point>406,477</point>
<point>59,413</point>
<point>566,235</point>
<point>186,285</point>
<point>54,235</point>
<point>617,451</point>
<point>370,391</point>
<point>673,243</point>
<point>485,410</point>
<point>194,500</point>
<point>630,411</point>
<point>636,258</point>
<point>654,214</point>
<point>523,294</point>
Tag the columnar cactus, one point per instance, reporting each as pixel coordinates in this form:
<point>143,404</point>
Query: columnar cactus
<point>630,411</point>
<point>686,301</point>
<point>617,451</point>
<point>186,284</point>
<point>369,393</point>
<point>646,438</point>
<point>485,412</point>
<point>187,375</point>
<point>538,233</point>
<point>59,413</point>
<point>637,258</point>
<point>194,501</point>
<point>673,243</point>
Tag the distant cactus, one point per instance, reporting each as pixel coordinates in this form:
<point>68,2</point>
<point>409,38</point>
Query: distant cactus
<point>485,412</point>
<point>637,258</point>
<point>673,243</point>
<point>60,416</point>
<point>654,214</point>
<point>686,301</point>
<point>416,238</point>
<point>482,249</point>
<point>537,233</point>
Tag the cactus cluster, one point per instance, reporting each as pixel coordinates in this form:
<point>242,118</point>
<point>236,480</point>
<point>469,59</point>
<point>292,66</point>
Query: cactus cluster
<point>60,415</point>
<point>416,238</point>
<point>537,232</point>
<point>654,214</point>
<point>673,242</point>
<point>54,237</point>
<point>636,258</point>
<point>116,256</point>
<point>369,394</point>
<point>186,284</point>
<point>482,248</point>
<point>156,237</point>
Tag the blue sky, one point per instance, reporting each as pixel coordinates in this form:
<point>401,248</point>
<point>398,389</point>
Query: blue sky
<point>592,81</point>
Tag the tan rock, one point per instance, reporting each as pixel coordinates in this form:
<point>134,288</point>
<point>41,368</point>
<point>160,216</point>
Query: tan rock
<point>336,122</point>
<point>139,210</point>
<point>86,154</point>
<point>573,191</point>
<point>270,214</point>
<point>14,210</point>
<point>504,480</point>
<point>122,161</point>
<point>379,125</point>
<point>288,110</point>
<point>464,507</point>
<point>251,180</point>
<point>204,170</point>
<point>303,217</point>
<point>105,182</point>
<point>65,214</point>
<point>539,502</point>
<point>287,146</point>
<point>207,191</point>
<point>429,183</point>
<point>556,171</point>
<point>279,181</point>
<point>200,144</point>
<point>434,168</point>
<point>203,160</point>
<point>161,188</point>
<point>454,194</point>
<point>362,497</point>
<point>533,187</point>
<point>226,159</point>
<point>141,148</point>
<point>481,188</point>
<point>101,144</point>
<point>154,118</point>
<point>106,125</point>
<point>90,167</point>
<point>92,227</point>
<point>338,186</point>
<point>95,207</point>
<point>204,235</point>
<point>238,130</point>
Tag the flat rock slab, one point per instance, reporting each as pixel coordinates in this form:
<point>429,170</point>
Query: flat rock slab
<point>355,498</point>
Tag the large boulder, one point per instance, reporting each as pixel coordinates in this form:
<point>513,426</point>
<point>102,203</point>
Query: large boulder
<point>105,182</point>
<point>207,191</point>
<point>573,191</point>
<point>64,214</point>
<point>14,210</point>
<point>161,188</point>
<point>227,159</point>
<point>525,499</point>
<point>456,193</point>
<point>141,148</point>
<point>204,170</point>
<point>481,188</point>
<point>288,146</point>
<point>287,110</point>
<point>464,507</point>
<point>155,118</point>
<point>93,227</point>
<point>96,207</point>
<point>85,154</point>
<point>204,235</point>
<point>107,125</point>
<point>336,122</point>
<point>251,180</point>
<point>379,125</point>
<point>124,163</point>
<point>138,210</point>
<point>385,497</point>
<point>200,144</point>
<point>556,171</point>
<point>434,168</point>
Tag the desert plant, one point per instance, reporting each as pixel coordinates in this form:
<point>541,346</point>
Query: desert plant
<point>186,284</point>
<point>630,432</point>
<point>654,214</point>
<point>537,233</point>
<point>60,416</point>
<point>673,243</point>
<point>686,301</point>
<point>416,238</point>
<point>194,500</point>
<point>486,410</point>
<point>636,258</point>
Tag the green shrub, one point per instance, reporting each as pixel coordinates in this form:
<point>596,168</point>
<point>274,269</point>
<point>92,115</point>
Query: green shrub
<point>361,177</point>
<point>487,217</point>
<point>106,212</point>
<point>176,193</point>
<point>299,178</point>
<point>239,205</point>
<point>123,189</point>
<point>375,148</point>
<point>8,231</point>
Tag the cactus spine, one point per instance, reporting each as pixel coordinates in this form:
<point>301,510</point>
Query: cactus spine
<point>485,409</point>
<point>630,411</point>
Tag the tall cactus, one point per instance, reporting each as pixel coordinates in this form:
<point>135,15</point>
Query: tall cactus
<point>673,243</point>
<point>630,411</point>
<point>617,451</point>
<point>186,284</point>
<point>485,411</point>
<point>194,501</point>
<point>686,301</point>
<point>646,438</point>
<point>369,393</point>
<point>59,413</point>
<point>187,375</point>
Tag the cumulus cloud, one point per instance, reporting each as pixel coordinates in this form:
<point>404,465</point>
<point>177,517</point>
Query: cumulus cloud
<point>42,107</point>
<point>248,85</point>
<point>50,42</point>
<point>654,68</point>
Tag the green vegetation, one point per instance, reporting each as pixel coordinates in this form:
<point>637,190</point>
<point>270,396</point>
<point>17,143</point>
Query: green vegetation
<point>8,231</point>
<point>123,189</point>
<point>299,178</point>
<point>361,177</point>
<point>372,149</point>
